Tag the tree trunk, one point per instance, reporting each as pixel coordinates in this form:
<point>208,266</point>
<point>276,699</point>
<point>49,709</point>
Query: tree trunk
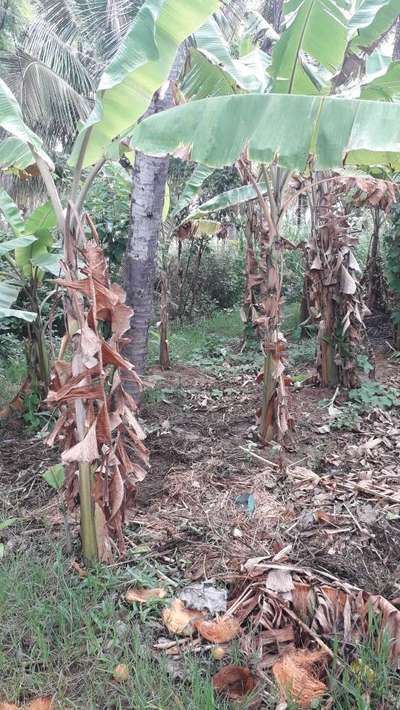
<point>150,176</point>
<point>396,48</point>
<point>374,279</point>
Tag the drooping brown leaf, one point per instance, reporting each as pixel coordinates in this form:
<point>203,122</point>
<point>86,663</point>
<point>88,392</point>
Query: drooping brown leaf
<point>90,344</point>
<point>369,191</point>
<point>116,492</point>
<point>315,608</point>
<point>106,299</point>
<point>132,423</point>
<point>219,631</point>
<point>297,675</point>
<point>141,450</point>
<point>84,451</point>
<point>234,681</point>
<point>140,595</point>
<point>112,357</point>
<point>60,394</point>
<point>120,320</point>
<point>96,263</point>
<point>58,427</point>
<point>347,283</point>
<point>63,371</point>
<point>180,620</point>
<point>103,425</point>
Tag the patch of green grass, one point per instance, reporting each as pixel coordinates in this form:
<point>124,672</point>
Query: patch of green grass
<point>369,681</point>
<point>362,676</point>
<point>302,353</point>
<point>291,317</point>
<point>185,341</point>
<point>61,635</point>
<point>12,373</point>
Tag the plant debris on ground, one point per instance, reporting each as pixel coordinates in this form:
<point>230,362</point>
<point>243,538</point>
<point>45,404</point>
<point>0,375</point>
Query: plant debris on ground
<point>303,545</point>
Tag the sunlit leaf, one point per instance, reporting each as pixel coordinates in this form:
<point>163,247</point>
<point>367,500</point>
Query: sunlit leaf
<point>316,29</point>
<point>12,121</point>
<point>290,129</point>
<point>138,69</point>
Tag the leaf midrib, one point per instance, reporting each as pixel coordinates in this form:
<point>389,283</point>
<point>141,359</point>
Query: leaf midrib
<point>305,27</point>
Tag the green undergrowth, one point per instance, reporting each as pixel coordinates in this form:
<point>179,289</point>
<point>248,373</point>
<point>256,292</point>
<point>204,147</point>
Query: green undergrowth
<point>215,345</point>
<point>62,635</point>
<point>369,680</point>
<point>188,341</point>
<point>12,367</point>
<point>361,401</point>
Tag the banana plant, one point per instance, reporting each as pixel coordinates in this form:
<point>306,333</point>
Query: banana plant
<point>299,125</point>
<point>25,260</point>
<point>138,69</point>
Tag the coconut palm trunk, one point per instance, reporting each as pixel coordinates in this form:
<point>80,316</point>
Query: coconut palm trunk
<point>150,177</point>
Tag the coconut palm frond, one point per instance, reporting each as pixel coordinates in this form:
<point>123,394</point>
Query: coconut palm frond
<point>80,70</point>
<point>51,106</point>
<point>99,24</point>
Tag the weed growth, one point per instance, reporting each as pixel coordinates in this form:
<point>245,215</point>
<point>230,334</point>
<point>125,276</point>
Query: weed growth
<point>63,635</point>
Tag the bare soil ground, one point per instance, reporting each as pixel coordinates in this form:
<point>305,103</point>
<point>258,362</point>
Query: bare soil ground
<point>214,499</point>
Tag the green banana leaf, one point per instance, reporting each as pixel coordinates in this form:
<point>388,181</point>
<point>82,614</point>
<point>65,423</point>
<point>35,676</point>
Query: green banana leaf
<point>192,187</point>
<point>385,87</point>
<point>12,214</point>
<point>210,40</point>
<point>14,155</point>
<point>12,121</point>
<point>40,223</point>
<point>376,65</point>
<point>214,72</point>
<point>206,78</point>
<point>48,262</point>
<point>42,217</point>
<point>286,128</point>
<point>229,198</point>
<point>33,237</point>
<point>254,26</point>
<point>8,295</point>
<point>12,244</point>
<point>208,227</point>
<point>139,68</point>
<point>316,29</point>
<point>371,19</point>
<point>27,316</point>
